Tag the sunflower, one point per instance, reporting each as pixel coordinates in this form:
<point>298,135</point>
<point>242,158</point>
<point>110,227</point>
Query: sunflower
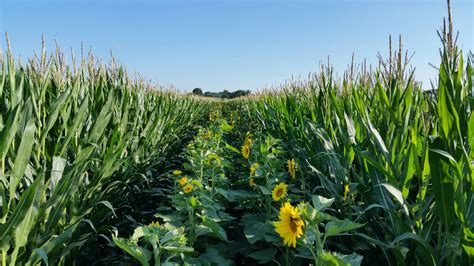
<point>346,191</point>
<point>251,182</point>
<point>232,120</point>
<point>177,172</point>
<point>188,188</point>
<point>248,139</point>
<point>183,181</point>
<point>190,145</point>
<point>154,224</point>
<point>206,134</point>
<point>213,157</point>
<point>279,191</point>
<point>289,225</point>
<point>246,151</point>
<point>292,168</point>
<point>254,168</point>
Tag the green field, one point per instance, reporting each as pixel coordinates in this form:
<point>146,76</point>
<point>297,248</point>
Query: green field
<point>98,168</point>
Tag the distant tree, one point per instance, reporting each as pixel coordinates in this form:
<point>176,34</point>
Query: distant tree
<point>239,93</point>
<point>226,94</point>
<point>197,91</point>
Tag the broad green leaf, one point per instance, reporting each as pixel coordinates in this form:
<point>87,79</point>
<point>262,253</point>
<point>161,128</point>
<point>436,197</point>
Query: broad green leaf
<point>53,115</point>
<point>334,228</point>
<point>20,211</point>
<point>24,228</point>
<point>8,133</point>
<point>443,186</point>
<point>133,249</point>
<point>22,156</point>
<point>427,250</point>
<point>398,196</point>
<point>321,203</point>
<point>264,256</point>
<point>218,231</point>
<point>258,231</point>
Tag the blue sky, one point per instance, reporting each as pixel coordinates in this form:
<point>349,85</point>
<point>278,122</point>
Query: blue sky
<point>230,44</point>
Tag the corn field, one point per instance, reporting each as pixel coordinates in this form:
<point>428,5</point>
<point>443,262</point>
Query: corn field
<point>98,168</point>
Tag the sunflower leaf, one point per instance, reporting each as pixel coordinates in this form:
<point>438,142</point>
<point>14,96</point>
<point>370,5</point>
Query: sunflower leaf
<point>334,228</point>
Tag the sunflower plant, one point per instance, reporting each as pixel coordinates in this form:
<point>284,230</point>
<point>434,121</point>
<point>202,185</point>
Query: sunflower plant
<point>301,228</point>
<point>156,243</point>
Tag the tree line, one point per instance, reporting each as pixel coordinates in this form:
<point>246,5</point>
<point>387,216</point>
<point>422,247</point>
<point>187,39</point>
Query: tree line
<point>223,94</point>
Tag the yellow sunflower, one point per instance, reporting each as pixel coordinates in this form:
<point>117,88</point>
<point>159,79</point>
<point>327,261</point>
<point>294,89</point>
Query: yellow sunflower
<point>292,168</point>
<point>279,191</point>
<point>245,151</point>
<point>346,191</point>
<point>188,188</point>
<point>206,134</point>
<point>177,172</point>
<point>155,224</point>
<point>254,168</point>
<point>248,139</point>
<point>289,225</point>
<point>251,182</point>
<point>183,181</point>
<point>232,120</point>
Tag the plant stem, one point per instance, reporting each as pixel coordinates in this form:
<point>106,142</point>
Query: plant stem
<point>314,255</point>
<point>319,245</point>
<point>191,221</point>
<point>4,257</point>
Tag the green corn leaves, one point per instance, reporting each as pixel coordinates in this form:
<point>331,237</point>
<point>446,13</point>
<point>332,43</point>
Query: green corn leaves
<point>69,144</point>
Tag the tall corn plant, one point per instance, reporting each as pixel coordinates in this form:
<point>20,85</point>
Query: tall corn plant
<point>406,157</point>
<point>72,140</point>
<point>451,156</point>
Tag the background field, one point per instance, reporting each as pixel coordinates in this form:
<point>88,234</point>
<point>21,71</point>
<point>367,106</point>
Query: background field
<point>100,168</point>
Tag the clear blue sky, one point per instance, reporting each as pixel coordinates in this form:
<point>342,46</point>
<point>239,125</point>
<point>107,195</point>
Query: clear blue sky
<point>231,44</point>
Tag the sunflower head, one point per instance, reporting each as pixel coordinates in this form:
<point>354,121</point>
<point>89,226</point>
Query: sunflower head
<point>246,151</point>
<point>251,182</point>
<point>183,181</point>
<point>183,240</point>
<point>346,191</point>
<point>206,134</point>
<point>177,172</point>
<point>154,224</point>
<point>213,157</point>
<point>279,191</point>
<point>188,188</point>
<point>289,227</point>
<point>254,168</point>
<point>190,145</point>
<point>248,139</point>
<point>232,119</point>
<point>214,115</point>
<point>292,168</point>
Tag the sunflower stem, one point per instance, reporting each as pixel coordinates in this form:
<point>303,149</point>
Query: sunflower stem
<point>314,255</point>
<point>319,245</point>
<point>4,257</point>
<point>191,221</point>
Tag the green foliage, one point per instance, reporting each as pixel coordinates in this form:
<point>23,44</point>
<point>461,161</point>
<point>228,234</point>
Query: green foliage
<point>71,140</point>
<point>365,170</point>
<point>405,157</point>
<point>226,201</point>
<point>163,241</point>
<point>226,94</point>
